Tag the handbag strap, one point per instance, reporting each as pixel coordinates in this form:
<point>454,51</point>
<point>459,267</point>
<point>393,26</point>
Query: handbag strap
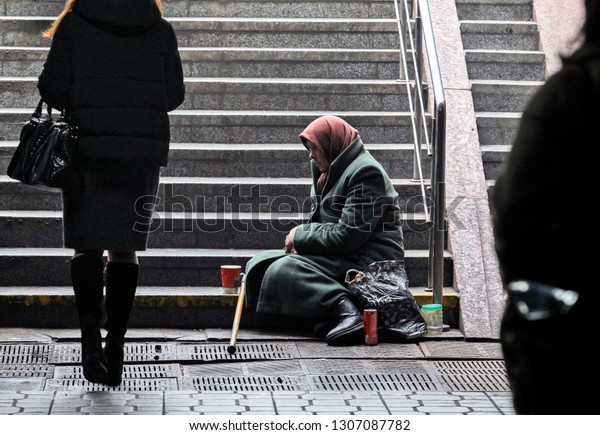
<point>38,110</point>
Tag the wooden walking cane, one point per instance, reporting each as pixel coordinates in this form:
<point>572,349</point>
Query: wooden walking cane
<point>238,315</point>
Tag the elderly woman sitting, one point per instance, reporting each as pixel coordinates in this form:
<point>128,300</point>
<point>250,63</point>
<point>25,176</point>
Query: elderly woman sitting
<point>354,222</point>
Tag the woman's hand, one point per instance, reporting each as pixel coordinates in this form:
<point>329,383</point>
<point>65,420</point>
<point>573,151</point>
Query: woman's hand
<point>289,242</point>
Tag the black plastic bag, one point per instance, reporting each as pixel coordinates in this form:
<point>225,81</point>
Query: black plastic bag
<point>383,286</point>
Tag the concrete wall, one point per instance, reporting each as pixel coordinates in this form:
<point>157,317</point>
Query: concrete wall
<point>559,24</point>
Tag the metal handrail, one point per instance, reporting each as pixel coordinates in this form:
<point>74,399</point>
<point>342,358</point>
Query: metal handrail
<point>416,37</point>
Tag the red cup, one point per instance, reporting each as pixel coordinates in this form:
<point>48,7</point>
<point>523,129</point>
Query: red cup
<point>230,278</point>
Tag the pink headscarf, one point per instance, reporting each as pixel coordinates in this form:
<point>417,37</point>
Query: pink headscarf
<point>332,135</point>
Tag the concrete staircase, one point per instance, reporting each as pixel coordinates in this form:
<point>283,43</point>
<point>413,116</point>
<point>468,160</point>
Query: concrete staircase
<point>256,74</point>
<point>505,66</point>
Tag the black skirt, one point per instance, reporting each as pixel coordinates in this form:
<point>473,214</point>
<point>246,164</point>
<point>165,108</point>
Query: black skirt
<point>112,209</point>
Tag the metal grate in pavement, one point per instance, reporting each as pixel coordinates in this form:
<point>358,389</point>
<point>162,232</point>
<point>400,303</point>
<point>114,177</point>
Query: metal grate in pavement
<point>134,352</point>
<point>165,384</point>
<point>26,371</point>
<point>373,382</point>
<point>244,383</point>
<point>244,352</point>
<point>474,367</point>
<point>461,350</point>
<point>472,375</point>
<point>150,352</point>
<point>24,353</point>
<point>279,367</point>
<point>130,371</point>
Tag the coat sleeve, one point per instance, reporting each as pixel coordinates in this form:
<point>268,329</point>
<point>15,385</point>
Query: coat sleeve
<point>361,211</point>
<point>174,73</point>
<point>54,83</point>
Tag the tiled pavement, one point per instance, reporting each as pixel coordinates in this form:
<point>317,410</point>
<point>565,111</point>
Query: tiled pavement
<point>179,372</point>
<point>256,403</point>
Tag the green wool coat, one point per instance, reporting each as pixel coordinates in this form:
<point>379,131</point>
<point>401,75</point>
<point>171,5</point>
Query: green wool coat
<point>354,222</point>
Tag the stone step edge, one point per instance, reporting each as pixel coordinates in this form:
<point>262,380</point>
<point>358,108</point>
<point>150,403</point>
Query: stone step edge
<point>515,83</point>
<point>171,253</point>
<point>50,214</point>
<point>300,50</point>
<point>216,19</point>
<point>261,113</point>
<point>300,181</point>
<point>235,54</point>
<point>500,22</point>
<point>513,115</point>
<point>220,147</point>
<point>255,81</point>
<point>502,52</point>
<point>175,296</point>
<point>496,148</point>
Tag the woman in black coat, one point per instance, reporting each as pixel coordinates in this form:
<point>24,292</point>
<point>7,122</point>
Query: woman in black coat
<point>540,205</point>
<point>115,67</point>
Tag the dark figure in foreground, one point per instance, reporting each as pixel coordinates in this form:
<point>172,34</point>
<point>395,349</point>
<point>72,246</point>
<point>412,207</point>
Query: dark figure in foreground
<point>354,222</point>
<point>115,67</point>
<point>541,205</point>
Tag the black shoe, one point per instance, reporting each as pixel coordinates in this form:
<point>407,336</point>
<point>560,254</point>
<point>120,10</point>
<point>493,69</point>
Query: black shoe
<point>350,326</point>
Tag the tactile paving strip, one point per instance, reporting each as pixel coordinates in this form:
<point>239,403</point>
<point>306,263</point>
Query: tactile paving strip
<point>26,371</point>
<point>244,352</point>
<point>244,383</point>
<point>25,354</point>
<point>165,384</point>
<point>472,375</point>
<point>373,382</point>
<point>461,350</point>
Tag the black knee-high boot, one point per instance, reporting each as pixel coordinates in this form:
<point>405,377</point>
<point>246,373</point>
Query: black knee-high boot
<point>121,283</point>
<point>87,273</point>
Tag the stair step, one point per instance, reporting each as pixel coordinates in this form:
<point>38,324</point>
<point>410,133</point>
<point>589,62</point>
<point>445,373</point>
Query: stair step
<point>164,267</point>
<point>502,96</point>
<point>195,194</point>
<point>497,128</point>
<point>505,10</point>
<point>43,229</point>
<point>286,9</point>
<point>212,93</point>
<point>241,126</point>
<point>500,35</point>
<point>237,8</point>
<point>373,33</point>
<point>322,57</point>
<point>255,160</point>
<point>246,62</point>
<point>493,158</point>
<point>177,307</point>
<point>505,65</point>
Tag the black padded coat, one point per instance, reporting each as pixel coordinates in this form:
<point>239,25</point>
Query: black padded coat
<point>116,67</point>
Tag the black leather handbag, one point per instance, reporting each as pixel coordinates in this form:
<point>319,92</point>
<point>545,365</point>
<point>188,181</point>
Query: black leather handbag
<point>45,155</point>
